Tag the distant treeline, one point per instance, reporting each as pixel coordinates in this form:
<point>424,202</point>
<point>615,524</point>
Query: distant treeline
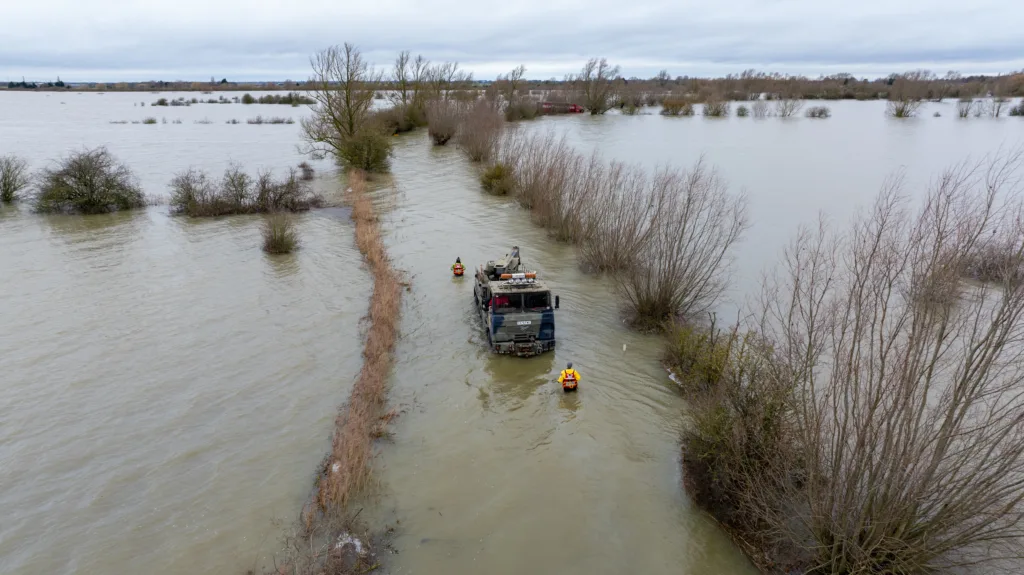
<point>731,87</point>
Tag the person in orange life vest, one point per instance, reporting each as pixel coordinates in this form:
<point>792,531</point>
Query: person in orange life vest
<point>457,267</point>
<point>569,378</point>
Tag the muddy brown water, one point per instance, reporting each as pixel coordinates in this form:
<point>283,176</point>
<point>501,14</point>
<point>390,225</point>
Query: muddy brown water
<point>166,389</point>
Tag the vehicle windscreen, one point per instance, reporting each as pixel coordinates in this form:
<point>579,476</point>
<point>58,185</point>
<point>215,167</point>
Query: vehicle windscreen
<point>507,302</point>
<point>536,301</point>
<point>513,302</point>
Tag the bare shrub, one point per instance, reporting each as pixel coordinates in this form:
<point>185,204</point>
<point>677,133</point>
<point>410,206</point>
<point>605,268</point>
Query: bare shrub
<point>557,185</point>
<point>88,182</point>
<point>742,111</point>
<point>443,120</point>
<point>994,260</point>
<point>676,107</point>
<point>625,211</point>
<point>521,108</point>
<point>760,109</point>
<point>13,177</point>
<point>682,267</point>
<point>279,234</point>
<point>715,108</point>
<point>1017,110</point>
<point>787,107</point>
<point>479,131</point>
<point>270,120</point>
<point>741,428</point>
<point>399,119</point>
<point>819,112</point>
<point>907,418</point>
<point>306,170</point>
<point>903,108</point>
<point>193,193</point>
<point>964,106</point>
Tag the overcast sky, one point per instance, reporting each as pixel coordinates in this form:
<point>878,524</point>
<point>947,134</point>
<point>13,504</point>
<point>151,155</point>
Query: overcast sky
<point>116,40</point>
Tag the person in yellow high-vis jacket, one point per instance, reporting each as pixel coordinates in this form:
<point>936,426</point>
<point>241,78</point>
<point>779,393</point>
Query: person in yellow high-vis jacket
<point>569,378</point>
<point>457,267</point>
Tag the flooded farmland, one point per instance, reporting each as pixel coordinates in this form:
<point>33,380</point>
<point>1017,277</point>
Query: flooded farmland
<point>168,389</point>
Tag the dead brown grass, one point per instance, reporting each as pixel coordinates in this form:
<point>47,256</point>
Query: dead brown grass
<point>347,469</point>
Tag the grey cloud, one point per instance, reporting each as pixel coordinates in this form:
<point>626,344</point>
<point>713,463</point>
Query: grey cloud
<point>114,40</point>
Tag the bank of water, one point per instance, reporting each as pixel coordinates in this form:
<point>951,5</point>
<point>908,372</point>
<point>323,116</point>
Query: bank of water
<point>168,389</point>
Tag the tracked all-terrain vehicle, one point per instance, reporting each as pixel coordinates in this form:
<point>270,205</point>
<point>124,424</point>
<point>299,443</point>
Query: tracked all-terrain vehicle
<point>517,309</point>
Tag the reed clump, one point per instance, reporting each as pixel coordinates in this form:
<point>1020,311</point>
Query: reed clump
<point>279,234</point>
<point>87,182</point>
<point>14,177</point>
<point>194,193</point>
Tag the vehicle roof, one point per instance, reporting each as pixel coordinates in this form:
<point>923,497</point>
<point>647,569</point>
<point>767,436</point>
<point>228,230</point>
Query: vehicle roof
<point>508,286</point>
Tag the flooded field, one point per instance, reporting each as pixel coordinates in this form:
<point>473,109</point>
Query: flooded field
<point>168,389</point>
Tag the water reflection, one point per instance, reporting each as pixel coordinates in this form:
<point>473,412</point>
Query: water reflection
<point>75,229</point>
<point>283,265</point>
<point>512,380</point>
<point>569,403</point>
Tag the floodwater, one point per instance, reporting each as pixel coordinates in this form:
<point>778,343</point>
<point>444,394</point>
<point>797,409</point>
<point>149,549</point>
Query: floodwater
<point>166,389</point>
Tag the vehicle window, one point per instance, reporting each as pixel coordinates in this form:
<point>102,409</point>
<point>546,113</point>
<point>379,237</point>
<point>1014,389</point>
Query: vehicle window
<point>536,300</point>
<point>505,303</point>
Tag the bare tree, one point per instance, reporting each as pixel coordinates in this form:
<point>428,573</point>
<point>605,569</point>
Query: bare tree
<point>445,78</point>
<point>760,108</point>
<point>343,85</point>
<point>401,80</point>
<point>13,177</point>
<point>906,93</point>
<point>509,83</point>
<point>910,416</point>
<point>419,72</point>
<point>594,85</point>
